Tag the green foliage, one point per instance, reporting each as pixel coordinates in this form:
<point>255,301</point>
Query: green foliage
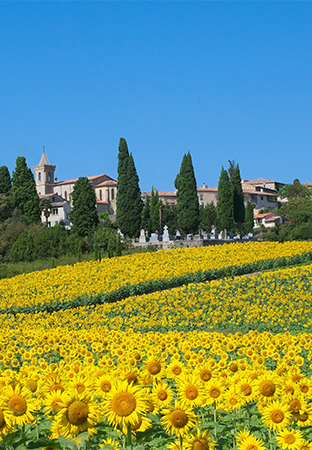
<point>225,217</point>
<point>146,216</point>
<point>294,190</point>
<point>129,203</point>
<point>45,206</point>
<point>104,232</point>
<point>5,180</point>
<point>170,217</point>
<point>24,193</point>
<point>187,199</point>
<point>6,207</point>
<point>84,214</point>
<point>155,208</point>
<point>208,216</point>
<point>249,218</point>
<point>23,248</point>
<point>238,196</point>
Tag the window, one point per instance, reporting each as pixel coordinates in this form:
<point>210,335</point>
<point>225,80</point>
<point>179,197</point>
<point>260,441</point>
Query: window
<point>54,211</point>
<point>261,197</point>
<point>49,176</point>
<point>53,199</point>
<point>108,195</point>
<point>39,176</point>
<point>65,195</point>
<point>100,194</point>
<point>201,197</point>
<point>113,194</point>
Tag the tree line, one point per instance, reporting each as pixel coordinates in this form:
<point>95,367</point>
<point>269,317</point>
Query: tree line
<point>24,237</point>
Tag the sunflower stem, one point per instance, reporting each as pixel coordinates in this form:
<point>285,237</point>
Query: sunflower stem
<point>215,420</point>
<point>129,436</point>
<point>181,442</point>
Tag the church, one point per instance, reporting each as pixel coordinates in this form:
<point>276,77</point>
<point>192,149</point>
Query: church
<point>60,192</point>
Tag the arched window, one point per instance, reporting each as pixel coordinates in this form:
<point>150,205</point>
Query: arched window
<point>49,176</point>
<point>108,195</point>
<point>65,193</point>
<point>100,194</point>
<point>113,194</point>
<point>39,176</point>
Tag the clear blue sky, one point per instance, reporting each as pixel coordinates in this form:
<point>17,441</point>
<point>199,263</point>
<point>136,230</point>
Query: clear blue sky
<point>223,80</point>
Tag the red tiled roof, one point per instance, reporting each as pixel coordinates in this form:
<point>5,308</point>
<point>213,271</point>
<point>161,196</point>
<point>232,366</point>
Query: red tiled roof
<point>91,178</point>
<point>207,189</point>
<point>107,183</point>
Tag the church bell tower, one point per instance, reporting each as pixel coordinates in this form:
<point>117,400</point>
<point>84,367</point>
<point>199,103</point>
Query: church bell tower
<point>44,175</point>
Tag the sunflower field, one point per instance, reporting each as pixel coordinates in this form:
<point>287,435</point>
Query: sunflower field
<point>222,364</point>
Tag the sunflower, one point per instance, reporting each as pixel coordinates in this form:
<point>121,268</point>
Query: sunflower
<point>233,399</point>
<point>154,367</point>
<point>306,445</point>
<point>247,387</point>
<point>79,412</point>
<point>175,369</point>
<point>103,385</point>
<point>214,391</point>
<point>304,416</point>
<point>142,423</point>
<point>5,424</point>
<point>199,441</point>
<point>276,415</point>
<point>178,419</point>
<point>267,387</point>
<point>19,405</point>
<point>80,383</point>
<point>250,443</point>
<point>122,404</point>
<point>190,390</point>
<point>289,439</point>
<point>114,444</point>
<point>52,402</point>
<point>162,394</point>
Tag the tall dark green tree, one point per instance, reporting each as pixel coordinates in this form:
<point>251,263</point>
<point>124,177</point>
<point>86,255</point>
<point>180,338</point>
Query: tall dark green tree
<point>249,218</point>
<point>6,206</point>
<point>146,216</point>
<point>238,196</point>
<point>129,203</point>
<point>135,203</point>
<point>24,194</point>
<point>84,214</point>
<point>187,199</point>
<point>122,183</point>
<point>5,180</point>
<point>208,216</point>
<point>155,207</point>
<point>225,202</point>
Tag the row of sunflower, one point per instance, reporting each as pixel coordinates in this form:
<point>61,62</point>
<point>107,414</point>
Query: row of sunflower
<point>267,300</point>
<point>65,283</point>
<point>165,391</point>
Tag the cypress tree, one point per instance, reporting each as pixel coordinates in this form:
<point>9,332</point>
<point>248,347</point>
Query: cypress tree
<point>225,202</point>
<point>155,206</point>
<point>24,193</point>
<point>238,196</point>
<point>132,222</point>
<point>122,184</point>
<point>249,218</point>
<point>146,216</point>
<point>129,203</point>
<point>84,214</point>
<point>187,199</point>
<point>5,180</point>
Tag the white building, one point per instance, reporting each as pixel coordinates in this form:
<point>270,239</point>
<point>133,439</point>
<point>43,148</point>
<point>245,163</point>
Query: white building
<point>60,192</point>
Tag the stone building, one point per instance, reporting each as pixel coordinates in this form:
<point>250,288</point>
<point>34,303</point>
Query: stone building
<point>60,192</point>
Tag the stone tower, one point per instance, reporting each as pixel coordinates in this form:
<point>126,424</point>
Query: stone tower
<point>44,176</point>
